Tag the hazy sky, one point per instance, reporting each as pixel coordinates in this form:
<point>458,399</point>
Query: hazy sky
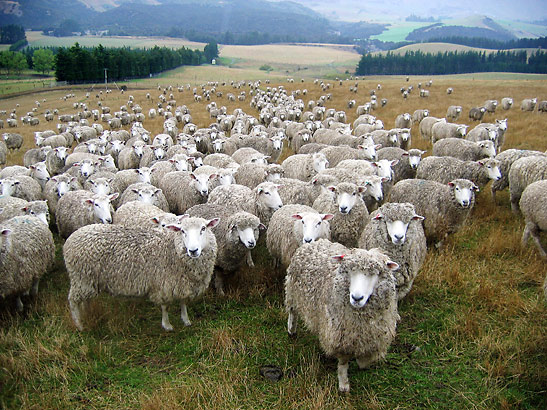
<point>392,9</point>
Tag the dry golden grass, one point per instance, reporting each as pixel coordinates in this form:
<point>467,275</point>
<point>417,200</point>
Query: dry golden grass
<point>476,311</point>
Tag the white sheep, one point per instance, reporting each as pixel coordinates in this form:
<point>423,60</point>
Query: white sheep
<point>179,268</point>
<point>523,172</point>
<point>293,225</point>
<point>464,149</point>
<point>442,130</point>
<point>397,230</point>
<point>236,234</point>
<point>304,166</point>
<point>445,207</point>
<point>26,251</point>
<point>347,298</point>
<point>184,189</point>
<point>533,205</point>
<point>21,186</point>
<point>144,192</point>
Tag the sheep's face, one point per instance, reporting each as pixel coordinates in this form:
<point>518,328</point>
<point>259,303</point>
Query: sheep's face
<point>38,209</point>
<point>138,149</point>
<point>383,168</point>
<point>277,142</point>
<point>39,171</point>
<point>247,232</point>
<point>305,136</point>
<point>102,208</point>
<point>464,193</point>
<point>502,124</point>
<point>262,159</point>
<point>61,153</point>
<point>269,196</point>
<point>181,163</point>
<point>404,134</point>
<point>347,196</point>
<point>369,150</point>
<point>193,233</point>
<point>159,152</point>
<point>62,187</point>
<point>311,225</point>
<point>492,134</point>
<point>201,183</point>
<point>374,188</point>
<point>87,168</point>
<point>487,149</point>
<point>101,186</point>
<point>320,162</point>
<point>147,195</point>
<point>492,168</point>
<point>414,159</point>
<point>226,178</point>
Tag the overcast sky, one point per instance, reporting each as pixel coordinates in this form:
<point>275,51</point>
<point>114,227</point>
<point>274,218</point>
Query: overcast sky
<point>528,10</point>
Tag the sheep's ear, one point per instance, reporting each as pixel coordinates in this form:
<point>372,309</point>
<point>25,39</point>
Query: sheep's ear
<point>157,191</point>
<point>136,171</point>
<point>88,201</point>
<point>134,190</point>
<point>392,265</point>
<point>193,176</point>
<point>296,216</point>
<point>6,232</point>
<point>361,189</point>
<point>480,162</point>
<point>24,209</point>
<point>327,217</point>
<point>378,216</point>
<point>404,154</point>
<point>331,188</point>
<point>339,258</point>
<point>184,217</point>
<point>213,222</point>
<point>76,164</point>
<point>394,162</point>
<point>212,176</point>
<point>475,188</point>
<point>156,220</point>
<point>174,228</point>
<point>451,184</point>
<point>385,179</point>
<point>113,196</point>
<point>418,218</point>
<point>261,226</point>
<point>423,152</point>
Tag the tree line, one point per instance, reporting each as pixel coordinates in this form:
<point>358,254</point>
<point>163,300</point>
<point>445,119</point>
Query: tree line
<point>79,64</point>
<point>490,44</point>
<point>420,63</point>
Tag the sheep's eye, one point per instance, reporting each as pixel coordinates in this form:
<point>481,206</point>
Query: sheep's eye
<point>202,229</point>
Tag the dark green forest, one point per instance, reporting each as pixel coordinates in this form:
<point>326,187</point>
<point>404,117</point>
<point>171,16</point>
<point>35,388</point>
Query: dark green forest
<point>420,63</point>
<point>77,64</point>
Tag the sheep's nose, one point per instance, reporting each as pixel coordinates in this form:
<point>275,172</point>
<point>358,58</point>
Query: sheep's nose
<point>398,238</point>
<point>251,244</point>
<point>357,298</point>
<point>308,240</point>
<point>193,252</point>
<point>108,221</point>
<point>465,203</point>
<point>344,209</point>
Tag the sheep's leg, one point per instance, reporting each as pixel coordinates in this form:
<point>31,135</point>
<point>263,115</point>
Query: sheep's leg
<point>526,234</point>
<point>535,237</point>
<point>493,195</point>
<point>365,361</point>
<point>165,319</point>
<point>76,309</point>
<point>19,304</point>
<point>34,289</point>
<point>184,314</point>
<point>515,204</point>
<point>343,380</point>
<point>291,322</point>
<point>219,283</point>
<point>249,260</point>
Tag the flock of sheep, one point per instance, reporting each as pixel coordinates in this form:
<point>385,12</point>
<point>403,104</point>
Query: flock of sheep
<point>349,215</point>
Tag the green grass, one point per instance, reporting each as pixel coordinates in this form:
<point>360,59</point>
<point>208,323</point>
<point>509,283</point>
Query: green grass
<point>398,31</point>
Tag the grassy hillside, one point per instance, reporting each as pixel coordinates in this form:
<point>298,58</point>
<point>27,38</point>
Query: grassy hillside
<point>472,330</point>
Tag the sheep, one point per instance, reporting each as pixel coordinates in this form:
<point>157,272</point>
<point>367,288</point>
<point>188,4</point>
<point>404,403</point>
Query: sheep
<point>419,115</point>
<point>220,160</point>
<point>13,141</point>
<point>184,189</point>
<point>337,154</point>
<point>528,104</point>
<point>403,121</point>
<point>34,155</point>
<point>130,157</point>
<point>490,106</point>
<point>506,103</point>
<point>453,112</point>
<point>533,205</point>
<point>506,159</point>
<point>262,201</point>
<point>291,226</point>
<point>500,127</point>
<point>398,231</point>
<point>14,170</point>
<point>137,214</point>
<point>56,160</point>
<point>251,174</point>
<point>144,192</point>
<point>542,106</point>
<point>80,208</point>
<point>359,168</point>
<point>56,187</point>
<point>445,207</point>
<point>21,186</point>
<point>445,169</point>
<point>12,206</point>
<point>476,113</point>
<point>304,166</point>
<point>483,134</point>
<point>236,234</point>
<point>345,202</point>
<point>523,172</point>
<point>39,173</point>
<point>426,125</point>
<point>406,161</point>
<point>27,251</point>
<point>180,269</point>
<point>347,298</point>
<point>442,130</point>
<point>464,149</point>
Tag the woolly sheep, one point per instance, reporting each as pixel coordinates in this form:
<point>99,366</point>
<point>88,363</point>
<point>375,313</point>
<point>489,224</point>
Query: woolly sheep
<point>304,166</point>
<point>419,115</point>
<point>476,113</point>
<point>445,169</point>
<point>236,234</point>
<point>12,206</point>
<point>403,121</point>
<point>21,186</point>
<point>180,268</point>
<point>506,103</point>
<point>184,189</point>
<point>14,170</point>
<point>262,201</point>
<point>55,160</point>
<point>533,205</point>
<point>34,155</point>
<point>441,130</point>
<point>56,187</point>
<point>483,134</point>
<point>464,149</point>
<point>335,155</point>
<point>80,208</point>
<point>426,126</point>
<point>292,226</point>
<point>248,154</point>
<point>137,214</point>
<point>453,112</point>
<point>506,159</point>
<point>445,207</point>
<point>405,162</point>
<point>345,202</point>
<point>347,298</point>
<point>542,106</point>
<point>490,105</point>
<point>144,192</point>
<point>130,157</point>
<point>397,230</point>
<point>27,251</point>
<point>251,174</point>
<point>523,172</point>
<point>528,104</point>
<point>13,141</point>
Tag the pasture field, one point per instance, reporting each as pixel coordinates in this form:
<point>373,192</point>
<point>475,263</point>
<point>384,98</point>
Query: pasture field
<point>471,334</point>
<point>397,31</point>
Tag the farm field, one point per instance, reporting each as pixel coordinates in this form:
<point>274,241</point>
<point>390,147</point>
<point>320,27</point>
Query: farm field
<point>472,330</point>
